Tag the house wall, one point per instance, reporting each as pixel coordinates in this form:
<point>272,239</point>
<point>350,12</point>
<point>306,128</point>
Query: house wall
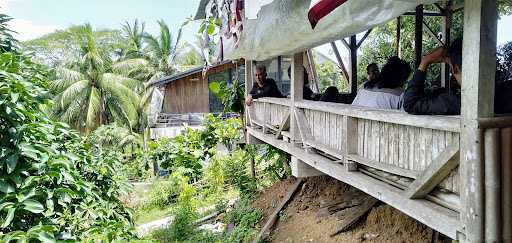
<point>187,95</point>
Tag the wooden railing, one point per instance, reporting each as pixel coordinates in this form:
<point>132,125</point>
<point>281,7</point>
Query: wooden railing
<point>409,147</point>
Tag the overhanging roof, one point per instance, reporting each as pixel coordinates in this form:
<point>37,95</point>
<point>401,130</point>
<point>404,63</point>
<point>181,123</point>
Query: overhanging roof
<point>283,28</point>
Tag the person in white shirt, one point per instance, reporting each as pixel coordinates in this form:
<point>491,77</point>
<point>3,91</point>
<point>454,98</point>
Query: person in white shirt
<point>385,91</point>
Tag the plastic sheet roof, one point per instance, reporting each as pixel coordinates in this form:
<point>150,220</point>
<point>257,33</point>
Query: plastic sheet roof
<point>282,27</point>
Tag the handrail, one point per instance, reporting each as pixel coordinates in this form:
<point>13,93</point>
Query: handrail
<point>495,122</point>
<point>277,101</point>
<point>444,123</point>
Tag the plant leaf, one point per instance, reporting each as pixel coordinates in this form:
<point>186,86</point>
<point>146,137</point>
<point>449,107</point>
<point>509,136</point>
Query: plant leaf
<point>8,219</point>
<point>33,206</point>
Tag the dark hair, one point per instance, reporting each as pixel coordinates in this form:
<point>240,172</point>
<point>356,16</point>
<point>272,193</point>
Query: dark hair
<point>393,74</point>
<point>455,52</point>
<point>306,76</point>
<point>371,65</point>
<point>261,67</point>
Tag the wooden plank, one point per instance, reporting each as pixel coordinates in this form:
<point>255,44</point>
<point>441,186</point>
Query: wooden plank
<point>444,123</point>
<point>435,216</point>
<point>435,173</point>
<point>357,213</point>
<point>285,125</point>
<point>384,166</point>
<point>305,131</point>
<point>273,217</point>
<point>360,136</point>
<point>376,126</point>
<point>384,144</point>
<point>326,149</point>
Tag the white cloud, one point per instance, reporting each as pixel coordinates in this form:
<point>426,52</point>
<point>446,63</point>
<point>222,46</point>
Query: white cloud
<point>28,30</point>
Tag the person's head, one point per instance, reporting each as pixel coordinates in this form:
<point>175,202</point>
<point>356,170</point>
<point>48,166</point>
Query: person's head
<point>373,71</point>
<point>393,75</point>
<point>455,59</point>
<point>261,74</point>
<point>306,76</point>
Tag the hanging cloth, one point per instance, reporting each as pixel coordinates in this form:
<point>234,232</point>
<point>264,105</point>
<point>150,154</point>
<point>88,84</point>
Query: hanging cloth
<point>320,8</point>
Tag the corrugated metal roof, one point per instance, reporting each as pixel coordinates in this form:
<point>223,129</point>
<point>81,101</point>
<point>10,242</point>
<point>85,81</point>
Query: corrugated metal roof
<point>174,77</point>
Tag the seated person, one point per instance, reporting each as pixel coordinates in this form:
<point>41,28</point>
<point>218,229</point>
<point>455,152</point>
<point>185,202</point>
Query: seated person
<point>263,87</point>
<point>417,101</point>
<point>307,93</point>
<point>385,90</point>
<point>373,72</point>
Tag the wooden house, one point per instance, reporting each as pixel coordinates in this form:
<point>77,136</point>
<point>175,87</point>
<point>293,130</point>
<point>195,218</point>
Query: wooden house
<point>452,173</point>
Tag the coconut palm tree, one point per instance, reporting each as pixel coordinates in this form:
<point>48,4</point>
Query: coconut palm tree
<point>159,57</point>
<point>89,94</point>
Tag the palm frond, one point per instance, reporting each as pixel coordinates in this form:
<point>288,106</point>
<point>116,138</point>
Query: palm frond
<point>93,108</point>
<point>74,90</point>
<point>128,66</point>
<point>133,84</point>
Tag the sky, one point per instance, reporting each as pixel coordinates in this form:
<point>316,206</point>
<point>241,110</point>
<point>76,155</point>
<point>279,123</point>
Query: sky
<point>34,18</point>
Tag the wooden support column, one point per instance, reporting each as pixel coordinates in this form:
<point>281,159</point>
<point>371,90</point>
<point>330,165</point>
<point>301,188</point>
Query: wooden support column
<point>296,90</point>
<point>353,64</point>
<point>446,25</point>
<point>248,86</point>
<point>398,51</point>
<point>478,71</point>
<point>418,35</point>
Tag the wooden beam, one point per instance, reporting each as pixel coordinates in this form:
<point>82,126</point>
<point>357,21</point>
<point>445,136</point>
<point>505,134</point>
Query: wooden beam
<point>357,213</point>
<point>364,38</point>
<point>345,43</point>
<point>312,68</point>
<point>297,85</point>
<point>340,62</point>
<point>383,166</point>
<point>477,99</point>
<point>302,124</point>
<point>439,169</point>
<point>426,13</point>
<point>432,34</point>
<point>283,126</point>
<point>353,65</point>
<point>273,217</point>
<point>398,51</point>
<point>418,35</point>
<point>506,182</point>
<point>435,216</point>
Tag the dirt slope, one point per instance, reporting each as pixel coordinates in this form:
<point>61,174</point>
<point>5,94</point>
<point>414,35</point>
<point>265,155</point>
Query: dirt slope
<point>300,223</point>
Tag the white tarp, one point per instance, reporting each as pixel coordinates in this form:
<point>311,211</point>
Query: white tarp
<point>282,27</point>
<point>253,7</point>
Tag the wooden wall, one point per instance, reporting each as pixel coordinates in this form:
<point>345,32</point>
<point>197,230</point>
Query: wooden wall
<point>187,95</point>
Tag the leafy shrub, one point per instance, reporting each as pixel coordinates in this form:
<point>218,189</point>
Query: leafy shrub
<point>164,193</point>
<point>52,185</point>
<point>245,218</point>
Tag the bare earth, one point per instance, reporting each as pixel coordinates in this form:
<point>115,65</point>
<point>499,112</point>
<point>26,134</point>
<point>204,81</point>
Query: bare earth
<point>299,222</point>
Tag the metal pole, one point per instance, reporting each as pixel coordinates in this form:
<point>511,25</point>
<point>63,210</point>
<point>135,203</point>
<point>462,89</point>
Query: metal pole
<point>353,65</point>
<point>418,35</point>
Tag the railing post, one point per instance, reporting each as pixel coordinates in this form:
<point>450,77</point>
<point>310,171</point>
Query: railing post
<point>353,64</point>
<point>296,88</point>
<point>418,35</point>
<point>478,71</point>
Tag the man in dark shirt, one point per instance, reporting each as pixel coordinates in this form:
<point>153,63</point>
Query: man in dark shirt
<point>263,87</point>
<point>444,102</point>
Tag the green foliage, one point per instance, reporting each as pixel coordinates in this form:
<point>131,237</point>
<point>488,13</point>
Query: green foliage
<point>192,147</point>
<point>231,95</point>
<point>245,218</point>
<point>273,163</point>
<point>164,193</point>
<point>7,41</point>
<point>232,170</point>
<point>52,184</point>
<point>329,75</point>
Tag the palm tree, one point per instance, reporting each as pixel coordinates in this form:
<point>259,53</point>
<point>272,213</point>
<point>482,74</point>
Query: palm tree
<point>89,94</point>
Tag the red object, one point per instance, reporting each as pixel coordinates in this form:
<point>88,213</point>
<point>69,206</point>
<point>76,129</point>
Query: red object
<point>321,9</point>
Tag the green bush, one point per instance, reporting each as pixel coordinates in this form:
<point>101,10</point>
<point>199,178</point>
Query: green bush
<point>245,218</point>
<point>52,184</point>
<point>164,193</point>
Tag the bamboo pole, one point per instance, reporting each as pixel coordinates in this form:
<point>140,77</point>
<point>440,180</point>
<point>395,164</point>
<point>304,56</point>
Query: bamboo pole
<point>492,186</point>
<point>506,175</point>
